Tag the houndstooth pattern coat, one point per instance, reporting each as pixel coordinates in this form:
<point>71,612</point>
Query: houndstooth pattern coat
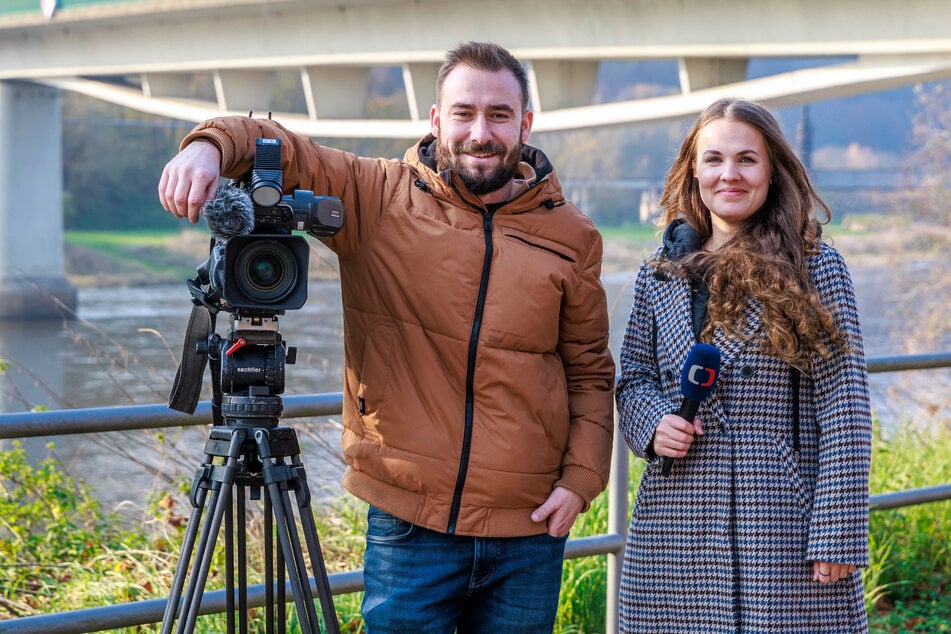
<point>726,542</point>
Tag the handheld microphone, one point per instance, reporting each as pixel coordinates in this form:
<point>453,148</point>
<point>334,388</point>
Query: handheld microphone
<point>697,380</point>
<point>230,213</point>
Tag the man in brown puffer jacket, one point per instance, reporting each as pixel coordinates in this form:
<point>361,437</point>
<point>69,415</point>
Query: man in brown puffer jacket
<point>478,398</point>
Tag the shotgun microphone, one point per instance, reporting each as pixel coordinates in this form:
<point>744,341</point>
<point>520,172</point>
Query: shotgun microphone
<point>697,380</point>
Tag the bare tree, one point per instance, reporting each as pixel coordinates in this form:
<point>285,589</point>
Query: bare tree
<point>928,167</point>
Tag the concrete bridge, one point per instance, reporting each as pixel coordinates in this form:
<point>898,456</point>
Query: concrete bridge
<point>193,59</point>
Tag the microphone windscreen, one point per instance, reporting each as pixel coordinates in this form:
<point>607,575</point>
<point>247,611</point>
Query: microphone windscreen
<point>700,372</point>
<point>230,213</point>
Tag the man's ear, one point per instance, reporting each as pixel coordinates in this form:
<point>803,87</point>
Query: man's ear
<point>434,120</point>
<point>528,117</point>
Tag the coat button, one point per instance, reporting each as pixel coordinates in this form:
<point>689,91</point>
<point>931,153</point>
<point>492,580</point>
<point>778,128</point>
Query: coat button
<point>669,374</point>
<point>747,371</point>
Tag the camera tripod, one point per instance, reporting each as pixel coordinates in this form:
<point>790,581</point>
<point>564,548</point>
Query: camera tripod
<point>256,455</point>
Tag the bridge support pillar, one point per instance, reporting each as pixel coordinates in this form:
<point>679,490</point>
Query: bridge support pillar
<point>32,278</point>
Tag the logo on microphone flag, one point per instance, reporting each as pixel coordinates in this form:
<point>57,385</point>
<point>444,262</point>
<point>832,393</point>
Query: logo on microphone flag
<point>706,379</point>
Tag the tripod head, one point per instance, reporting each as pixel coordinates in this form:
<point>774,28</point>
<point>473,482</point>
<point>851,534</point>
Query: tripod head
<point>251,362</point>
<point>247,368</point>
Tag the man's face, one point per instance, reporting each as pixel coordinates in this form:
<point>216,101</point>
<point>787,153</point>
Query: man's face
<point>480,128</point>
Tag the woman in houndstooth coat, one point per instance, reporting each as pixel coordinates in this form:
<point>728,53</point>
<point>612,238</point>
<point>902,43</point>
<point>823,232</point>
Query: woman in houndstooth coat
<point>762,523</point>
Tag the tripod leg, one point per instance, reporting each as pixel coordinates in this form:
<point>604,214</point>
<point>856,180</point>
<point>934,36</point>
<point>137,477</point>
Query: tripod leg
<point>313,549</point>
<point>217,477</point>
<point>320,572</point>
<point>203,558</point>
<point>293,557</point>
<point>274,445</point>
<point>270,601</point>
<point>206,543</point>
<point>199,493</point>
<point>289,546</point>
<point>239,551</point>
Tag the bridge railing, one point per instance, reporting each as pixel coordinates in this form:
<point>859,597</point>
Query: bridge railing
<point>123,418</point>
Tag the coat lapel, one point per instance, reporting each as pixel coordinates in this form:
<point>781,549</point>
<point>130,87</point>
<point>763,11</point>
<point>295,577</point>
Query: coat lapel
<point>672,309</point>
<point>731,347</point>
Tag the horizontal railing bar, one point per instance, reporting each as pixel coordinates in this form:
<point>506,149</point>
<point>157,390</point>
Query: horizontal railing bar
<point>112,617</point>
<point>594,545</point>
<point>910,497</point>
<point>129,417</point>
<point>898,363</point>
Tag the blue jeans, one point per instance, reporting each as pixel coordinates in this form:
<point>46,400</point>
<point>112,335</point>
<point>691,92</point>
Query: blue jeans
<point>421,581</point>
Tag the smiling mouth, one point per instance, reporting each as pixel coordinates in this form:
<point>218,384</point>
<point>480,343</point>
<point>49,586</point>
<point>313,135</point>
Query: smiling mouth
<point>480,150</point>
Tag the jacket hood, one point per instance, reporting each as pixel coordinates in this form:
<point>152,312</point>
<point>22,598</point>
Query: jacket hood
<point>680,240</point>
<point>426,151</point>
<point>535,170</point>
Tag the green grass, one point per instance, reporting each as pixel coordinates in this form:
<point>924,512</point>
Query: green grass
<point>141,256</point>
<point>633,232</point>
<point>911,546</point>
<point>112,240</point>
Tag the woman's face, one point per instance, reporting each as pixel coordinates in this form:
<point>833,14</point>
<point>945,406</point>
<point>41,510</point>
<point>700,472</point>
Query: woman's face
<point>733,170</point>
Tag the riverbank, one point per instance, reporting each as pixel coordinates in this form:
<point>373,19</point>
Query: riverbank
<point>142,258</point>
<point>900,270</point>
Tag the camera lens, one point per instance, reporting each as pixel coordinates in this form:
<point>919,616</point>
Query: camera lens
<point>266,271</point>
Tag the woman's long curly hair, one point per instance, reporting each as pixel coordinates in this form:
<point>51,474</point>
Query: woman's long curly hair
<point>765,260</point>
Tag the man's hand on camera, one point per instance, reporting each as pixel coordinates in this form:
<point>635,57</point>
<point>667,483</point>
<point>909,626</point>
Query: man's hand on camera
<point>190,179</point>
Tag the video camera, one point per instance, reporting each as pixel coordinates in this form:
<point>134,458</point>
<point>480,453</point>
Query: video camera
<point>256,266</point>
<point>256,270</point>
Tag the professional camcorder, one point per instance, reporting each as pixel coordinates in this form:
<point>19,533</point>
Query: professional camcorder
<point>256,265</point>
<point>256,270</point>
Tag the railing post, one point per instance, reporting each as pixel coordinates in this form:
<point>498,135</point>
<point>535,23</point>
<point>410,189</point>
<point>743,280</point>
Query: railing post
<point>617,524</point>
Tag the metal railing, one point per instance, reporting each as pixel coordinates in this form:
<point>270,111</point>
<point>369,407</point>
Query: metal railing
<point>123,418</point>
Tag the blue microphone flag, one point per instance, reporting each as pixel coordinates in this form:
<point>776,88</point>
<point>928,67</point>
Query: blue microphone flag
<point>700,371</point>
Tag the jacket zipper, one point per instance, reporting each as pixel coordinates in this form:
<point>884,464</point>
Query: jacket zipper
<point>470,375</point>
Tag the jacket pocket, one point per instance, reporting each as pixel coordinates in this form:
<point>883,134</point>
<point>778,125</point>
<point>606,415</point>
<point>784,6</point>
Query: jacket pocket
<point>801,492</point>
<point>375,373</point>
<point>537,242</point>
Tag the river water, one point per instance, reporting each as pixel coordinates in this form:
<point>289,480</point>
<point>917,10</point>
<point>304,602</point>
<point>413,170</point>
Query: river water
<point>123,350</point>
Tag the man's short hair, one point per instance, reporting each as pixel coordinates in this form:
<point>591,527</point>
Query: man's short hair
<point>483,56</point>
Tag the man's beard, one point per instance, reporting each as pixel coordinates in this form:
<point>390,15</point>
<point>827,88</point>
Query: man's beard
<point>480,181</point>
